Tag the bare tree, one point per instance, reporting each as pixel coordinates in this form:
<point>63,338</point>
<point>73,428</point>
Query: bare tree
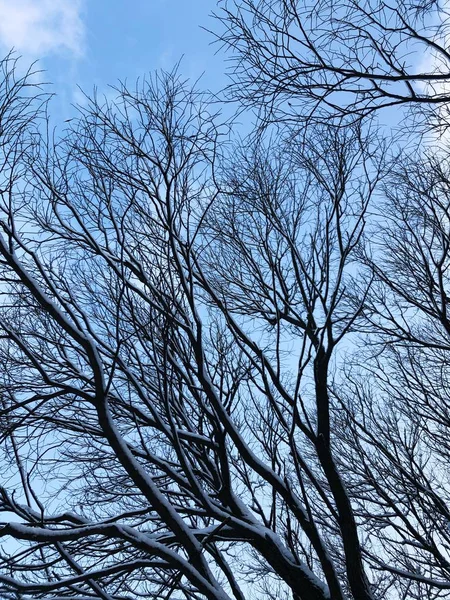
<point>180,415</point>
<point>395,401</point>
<point>171,307</point>
<point>327,60</point>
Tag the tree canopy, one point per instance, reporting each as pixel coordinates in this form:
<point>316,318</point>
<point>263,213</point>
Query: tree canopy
<point>224,361</point>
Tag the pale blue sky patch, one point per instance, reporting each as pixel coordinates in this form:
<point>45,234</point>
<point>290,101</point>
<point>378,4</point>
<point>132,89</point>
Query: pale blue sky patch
<point>38,28</point>
<point>95,43</point>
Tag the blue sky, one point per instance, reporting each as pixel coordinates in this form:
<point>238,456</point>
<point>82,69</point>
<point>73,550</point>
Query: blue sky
<point>96,42</point>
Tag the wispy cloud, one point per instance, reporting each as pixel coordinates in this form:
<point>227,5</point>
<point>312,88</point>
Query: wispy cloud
<point>37,28</point>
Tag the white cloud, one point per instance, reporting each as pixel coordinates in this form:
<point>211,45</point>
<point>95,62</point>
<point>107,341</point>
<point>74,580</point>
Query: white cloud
<point>37,28</point>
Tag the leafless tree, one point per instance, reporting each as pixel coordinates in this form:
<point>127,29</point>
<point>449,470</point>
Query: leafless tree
<point>395,400</point>
<point>180,418</point>
<point>170,311</point>
<point>301,60</point>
